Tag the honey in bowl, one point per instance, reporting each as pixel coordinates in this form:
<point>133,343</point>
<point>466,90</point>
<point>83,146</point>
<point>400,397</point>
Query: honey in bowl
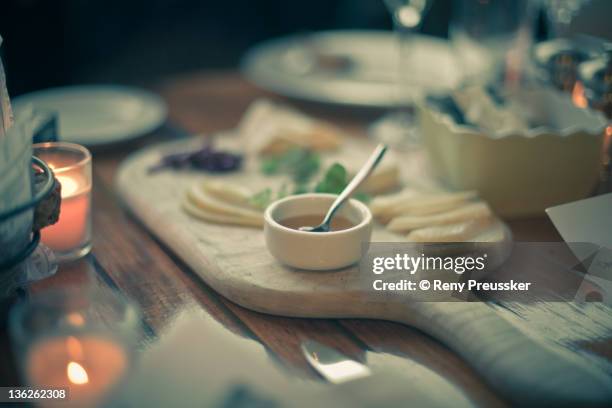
<point>338,223</point>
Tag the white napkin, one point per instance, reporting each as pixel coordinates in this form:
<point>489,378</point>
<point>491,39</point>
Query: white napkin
<point>15,183</point>
<point>6,113</point>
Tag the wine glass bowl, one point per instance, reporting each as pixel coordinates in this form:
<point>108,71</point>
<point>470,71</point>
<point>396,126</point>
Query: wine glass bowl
<point>407,13</point>
<point>398,128</point>
<point>492,39</point>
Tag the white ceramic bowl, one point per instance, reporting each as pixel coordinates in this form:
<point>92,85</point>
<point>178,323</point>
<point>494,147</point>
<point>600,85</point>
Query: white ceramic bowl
<point>520,175</point>
<point>317,250</point>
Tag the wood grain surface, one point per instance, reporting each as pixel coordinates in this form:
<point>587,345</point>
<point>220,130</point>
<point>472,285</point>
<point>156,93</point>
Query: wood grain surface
<point>128,258</point>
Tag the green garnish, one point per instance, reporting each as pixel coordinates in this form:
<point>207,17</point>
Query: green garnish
<point>300,164</point>
<point>334,180</point>
<point>363,197</point>
<point>261,199</point>
<point>301,189</point>
<point>282,192</point>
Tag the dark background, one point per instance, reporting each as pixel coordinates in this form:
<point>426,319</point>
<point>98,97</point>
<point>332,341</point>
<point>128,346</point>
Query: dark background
<point>61,42</point>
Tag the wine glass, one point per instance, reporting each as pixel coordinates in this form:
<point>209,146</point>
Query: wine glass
<point>78,340</point>
<point>561,13</point>
<point>491,39</point>
<point>595,76</point>
<point>398,128</point>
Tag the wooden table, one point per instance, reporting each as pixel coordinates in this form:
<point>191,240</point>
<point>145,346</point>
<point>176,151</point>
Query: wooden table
<point>127,258</point>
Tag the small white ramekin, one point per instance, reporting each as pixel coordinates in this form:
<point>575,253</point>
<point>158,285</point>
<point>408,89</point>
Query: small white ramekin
<point>317,250</point>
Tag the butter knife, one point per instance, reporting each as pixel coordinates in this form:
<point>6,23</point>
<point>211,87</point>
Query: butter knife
<point>334,366</point>
<point>355,385</point>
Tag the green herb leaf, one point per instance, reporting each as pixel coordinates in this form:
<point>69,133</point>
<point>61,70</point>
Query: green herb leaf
<point>282,192</point>
<point>307,167</point>
<point>334,181</point>
<point>261,199</point>
<point>270,166</point>
<point>299,164</point>
<point>302,165</point>
<point>363,197</point>
<point>301,189</point>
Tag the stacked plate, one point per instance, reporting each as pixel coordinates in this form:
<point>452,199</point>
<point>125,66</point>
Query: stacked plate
<point>95,115</point>
<point>356,68</point>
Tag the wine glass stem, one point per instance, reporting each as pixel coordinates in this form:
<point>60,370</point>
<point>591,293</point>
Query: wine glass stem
<point>405,38</point>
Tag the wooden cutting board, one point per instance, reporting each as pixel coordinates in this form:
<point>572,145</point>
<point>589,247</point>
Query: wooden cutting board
<point>234,261</point>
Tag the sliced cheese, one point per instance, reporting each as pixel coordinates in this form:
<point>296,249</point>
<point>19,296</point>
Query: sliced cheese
<point>405,223</point>
<point>495,232</point>
<point>319,138</point>
<point>324,137</point>
<point>433,203</point>
<point>458,232</point>
<point>382,180</point>
<point>270,128</point>
<point>424,204</point>
<point>199,212</point>
<point>384,204</point>
<point>205,201</point>
<point>230,193</point>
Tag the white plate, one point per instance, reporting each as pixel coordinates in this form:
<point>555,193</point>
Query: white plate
<point>94,115</point>
<point>366,67</point>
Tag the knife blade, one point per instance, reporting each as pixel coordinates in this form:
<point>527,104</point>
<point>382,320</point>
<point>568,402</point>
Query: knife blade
<point>397,382</point>
<point>334,366</point>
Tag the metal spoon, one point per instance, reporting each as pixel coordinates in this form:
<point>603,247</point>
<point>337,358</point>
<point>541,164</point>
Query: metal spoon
<point>365,171</point>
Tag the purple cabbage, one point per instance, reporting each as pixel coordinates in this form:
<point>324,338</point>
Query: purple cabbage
<point>205,159</point>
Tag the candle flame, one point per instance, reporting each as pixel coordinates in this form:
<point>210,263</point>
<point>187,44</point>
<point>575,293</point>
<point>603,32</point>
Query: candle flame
<point>74,348</point>
<point>607,144</point>
<point>76,373</point>
<point>578,96</point>
<point>69,186</point>
<point>75,319</point>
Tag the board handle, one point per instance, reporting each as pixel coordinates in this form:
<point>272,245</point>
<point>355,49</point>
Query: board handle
<point>524,369</point>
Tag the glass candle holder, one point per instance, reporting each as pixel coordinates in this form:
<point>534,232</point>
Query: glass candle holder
<point>76,340</point>
<point>70,237</point>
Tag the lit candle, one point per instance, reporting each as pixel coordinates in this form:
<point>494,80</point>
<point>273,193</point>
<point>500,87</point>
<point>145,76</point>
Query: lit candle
<point>72,229</point>
<point>70,236</point>
<point>607,144</point>
<point>89,366</point>
<point>77,339</point>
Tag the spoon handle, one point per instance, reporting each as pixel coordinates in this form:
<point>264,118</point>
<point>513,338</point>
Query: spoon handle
<point>365,171</point>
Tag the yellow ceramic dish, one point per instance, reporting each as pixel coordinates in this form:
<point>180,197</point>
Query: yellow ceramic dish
<point>520,175</point>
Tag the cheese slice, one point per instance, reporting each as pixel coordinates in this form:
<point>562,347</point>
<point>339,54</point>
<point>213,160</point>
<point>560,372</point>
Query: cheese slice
<point>230,193</point>
<point>405,223</point>
<point>382,180</point>
<point>382,205</point>
<point>431,204</point>
<point>410,202</point>
<point>205,201</point>
<point>270,128</point>
<point>210,216</point>
<point>458,232</point>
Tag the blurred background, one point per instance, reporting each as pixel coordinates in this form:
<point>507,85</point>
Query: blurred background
<point>62,42</point>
